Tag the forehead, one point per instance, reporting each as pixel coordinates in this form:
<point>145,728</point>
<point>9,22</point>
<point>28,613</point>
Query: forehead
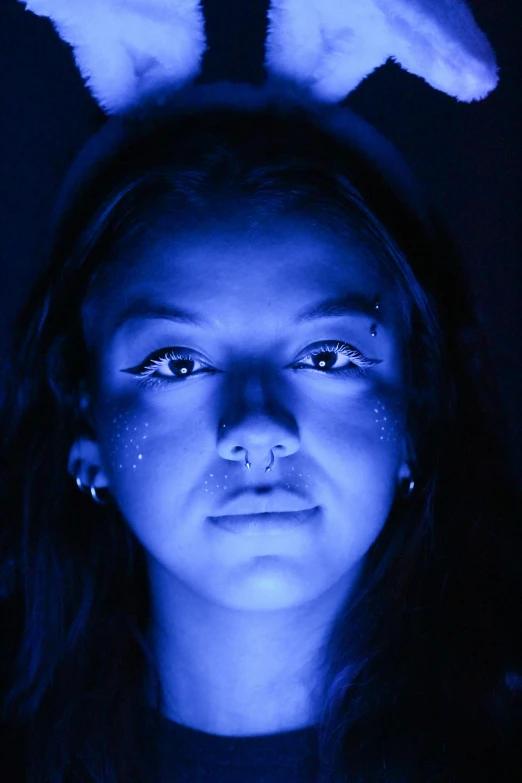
<point>240,269</point>
<point>245,250</point>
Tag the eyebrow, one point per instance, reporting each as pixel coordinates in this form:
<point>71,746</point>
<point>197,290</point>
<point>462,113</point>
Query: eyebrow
<point>348,304</point>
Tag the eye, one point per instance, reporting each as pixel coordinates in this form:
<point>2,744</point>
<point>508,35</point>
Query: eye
<point>357,365</point>
<point>172,365</point>
<point>168,365</point>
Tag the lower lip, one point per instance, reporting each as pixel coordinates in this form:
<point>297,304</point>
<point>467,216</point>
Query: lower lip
<point>264,524</point>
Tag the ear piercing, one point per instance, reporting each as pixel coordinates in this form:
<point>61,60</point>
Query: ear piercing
<point>373,329</point>
<point>89,488</point>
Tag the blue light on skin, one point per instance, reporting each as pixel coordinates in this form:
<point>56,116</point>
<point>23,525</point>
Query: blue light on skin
<point>238,620</point>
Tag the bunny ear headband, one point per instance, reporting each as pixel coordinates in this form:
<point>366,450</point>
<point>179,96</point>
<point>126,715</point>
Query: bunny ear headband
<point>140,57</point>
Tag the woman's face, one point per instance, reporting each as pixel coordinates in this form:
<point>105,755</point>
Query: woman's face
<point>173,454</point>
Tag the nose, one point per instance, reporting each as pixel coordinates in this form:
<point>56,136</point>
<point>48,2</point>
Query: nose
<point>257,436</point>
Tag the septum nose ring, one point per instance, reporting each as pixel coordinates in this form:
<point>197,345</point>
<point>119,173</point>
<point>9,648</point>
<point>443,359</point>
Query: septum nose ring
<point>247,463</point>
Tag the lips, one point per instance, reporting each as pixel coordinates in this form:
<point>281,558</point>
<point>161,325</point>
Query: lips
<point>276,501</point>
<point>265,524</point>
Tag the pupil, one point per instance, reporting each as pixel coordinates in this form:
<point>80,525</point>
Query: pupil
<point>323,361</point>
<point>175,369</point>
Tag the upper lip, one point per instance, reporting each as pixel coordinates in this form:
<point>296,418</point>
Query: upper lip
<point>275,501</point>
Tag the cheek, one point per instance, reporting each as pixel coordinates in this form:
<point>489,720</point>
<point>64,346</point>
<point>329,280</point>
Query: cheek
<point>128,449</point>
<point>370,428</point>
<point>370,450</point>
<point>145,447</point>
<point>388,420</point>
<point>125,444</point>
<point>142,472</point>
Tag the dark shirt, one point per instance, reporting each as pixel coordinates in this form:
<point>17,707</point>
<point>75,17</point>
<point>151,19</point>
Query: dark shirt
<point>187,755</point>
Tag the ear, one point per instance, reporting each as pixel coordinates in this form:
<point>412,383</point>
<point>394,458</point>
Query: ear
<point>85,462</point>
<point>408,458</point>
<point>85,458</point>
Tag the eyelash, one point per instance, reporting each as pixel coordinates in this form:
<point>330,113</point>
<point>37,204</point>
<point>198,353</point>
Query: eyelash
<point>145,371</point>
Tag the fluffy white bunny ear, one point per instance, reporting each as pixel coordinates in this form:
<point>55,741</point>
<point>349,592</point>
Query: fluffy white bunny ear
<point>131,50</point>
<point>332,45</point>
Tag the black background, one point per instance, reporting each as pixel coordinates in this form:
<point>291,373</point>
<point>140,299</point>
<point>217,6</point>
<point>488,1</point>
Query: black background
<point>469,155</point>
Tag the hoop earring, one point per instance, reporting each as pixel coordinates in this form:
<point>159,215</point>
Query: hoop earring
<point>89,489</point>
<point>95,496</point>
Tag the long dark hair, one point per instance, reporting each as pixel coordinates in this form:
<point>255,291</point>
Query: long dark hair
<point>418,666</point>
